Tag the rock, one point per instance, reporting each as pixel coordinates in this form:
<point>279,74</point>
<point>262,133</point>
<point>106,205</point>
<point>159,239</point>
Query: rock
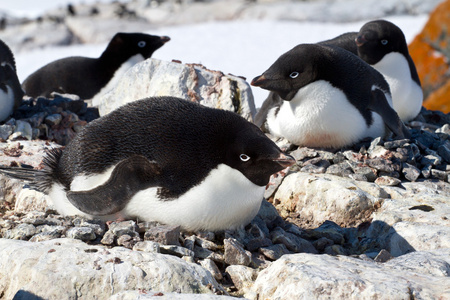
<point>410,172</point>
<point>211,266</point>
<point>22,129</point>
<point>383,256</point>
<point>293,276</point>
<point>151,295</point>
<point>147,246</point>
<point>430,52</point>
<point>176,250</point>
<point>387,180</point>
<point>242,277</point>
<point>291,241</point>
<point>98,271</point>
<point>274,252</point>
<point>191,82</point>
<point>21,232</point>
<point>235,253</point>
<point>81,233</point>
<point>6,131</point>
<point>166,235</point>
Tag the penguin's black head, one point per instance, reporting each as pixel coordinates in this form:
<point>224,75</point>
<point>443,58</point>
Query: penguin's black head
<point>378,38</point>
<point>255,155</point>
<point>129,44</point>
<point>290,72</point>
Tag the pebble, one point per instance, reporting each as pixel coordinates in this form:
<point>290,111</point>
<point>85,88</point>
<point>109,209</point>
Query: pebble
<point>176,250</point>
<point>211,266</point>
<point>81,233</point>
<point>235,253</point>
<point>387,180</point>
<point>274,252</point>
<point>147,246</point>
<point>167,235</point>
<point>410,172</point>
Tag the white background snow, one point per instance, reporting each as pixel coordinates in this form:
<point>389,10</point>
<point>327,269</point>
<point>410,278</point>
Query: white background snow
<point>244,48</point>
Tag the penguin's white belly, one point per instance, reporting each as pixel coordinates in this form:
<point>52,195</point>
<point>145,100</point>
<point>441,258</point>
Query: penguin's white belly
<point>226,199</point>
<point>407,95</point>
<point>321,116</point>
<point>6,103</point>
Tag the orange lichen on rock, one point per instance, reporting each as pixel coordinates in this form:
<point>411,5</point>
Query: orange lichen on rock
<point>430,51</point>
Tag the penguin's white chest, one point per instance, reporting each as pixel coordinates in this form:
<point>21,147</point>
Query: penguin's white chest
<point>6,103</point>
<point>321,116</point>
<point>407,95</point>
<point>225,199</point>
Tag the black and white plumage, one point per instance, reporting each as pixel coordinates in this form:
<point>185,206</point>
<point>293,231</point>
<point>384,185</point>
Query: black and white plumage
<point>383,45</point>
<point>11,93</point>
<point>84,76</point>
<point>331,98</point>
<point>162,159</point>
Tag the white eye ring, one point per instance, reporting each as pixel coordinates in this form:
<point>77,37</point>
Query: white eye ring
<point>294,74</point>
<point>384,42</point>
<point>244,157</point>
<point>141,44</point>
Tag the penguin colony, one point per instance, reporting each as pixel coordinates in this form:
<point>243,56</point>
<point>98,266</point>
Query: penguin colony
<point>327,95</point>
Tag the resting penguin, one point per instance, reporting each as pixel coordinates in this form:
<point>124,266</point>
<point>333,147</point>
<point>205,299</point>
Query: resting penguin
<point>11,93</point>
<point>383,45</point>
<point>331,98</point>
<point>85,76</point>
<point>162,159</point>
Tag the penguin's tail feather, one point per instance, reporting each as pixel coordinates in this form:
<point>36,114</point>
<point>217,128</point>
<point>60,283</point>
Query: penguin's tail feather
<point>40,180</point>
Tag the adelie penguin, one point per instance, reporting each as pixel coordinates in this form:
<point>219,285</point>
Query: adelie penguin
<point>329,98</point>
<point>381,44</point>
<point>11,93</point>
<point>162,159</point>
<point>84,76</point>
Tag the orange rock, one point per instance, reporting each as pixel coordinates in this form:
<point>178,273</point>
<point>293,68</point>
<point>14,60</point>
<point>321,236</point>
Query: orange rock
<point>430,51</point>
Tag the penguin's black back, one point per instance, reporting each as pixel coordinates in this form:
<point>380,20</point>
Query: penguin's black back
<point>186,140</point>
<point>6,55</point>
<point>84,76</point>
<point>345,41</point>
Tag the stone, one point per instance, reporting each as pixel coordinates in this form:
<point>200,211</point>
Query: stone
<point>147,246</point>
<point>126,227</point>
<point>153,77</point>
<point>6,131</point>
<point>341,169</point>
<point>21,232</point>
<point>98,271</point>
<point>81,233</point>
<point>22,129</point>
<point>176,250</point>
<point>383,256</point>
<point>444,151</point>
<point>410,172</point>
<point>291,241</point>
<point>235,253</point>
<point>53,120</point>
<point>242,277</point>
<point>164,234</point>
<point>274,252</point>
<point>292,276</point>
<point>152,294</point>
<point>211,266</point>
<point>387,180</point>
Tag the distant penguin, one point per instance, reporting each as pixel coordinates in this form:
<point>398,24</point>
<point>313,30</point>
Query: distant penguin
<point>85,76</point>
<point>331,98</point>
<point>162,159</point>
<point>383,45</point>
<point>11,93</point>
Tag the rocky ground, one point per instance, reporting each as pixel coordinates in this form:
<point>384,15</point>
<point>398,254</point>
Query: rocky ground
<point>364,208</point>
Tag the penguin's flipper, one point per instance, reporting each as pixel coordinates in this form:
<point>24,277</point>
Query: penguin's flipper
<point>128,177</point>
<point>273,100</point>
<point>380,105</point>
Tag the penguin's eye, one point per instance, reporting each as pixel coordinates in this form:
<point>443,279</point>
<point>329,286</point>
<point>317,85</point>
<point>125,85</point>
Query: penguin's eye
<point>141,44</point>
<point>294,74</point>
<point>384,42</point>
<point>244,157</point>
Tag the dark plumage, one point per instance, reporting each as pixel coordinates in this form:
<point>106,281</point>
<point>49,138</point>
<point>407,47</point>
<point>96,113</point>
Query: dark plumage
<point>85,76</point>
<point>11,93</point>
<point>178,152</point>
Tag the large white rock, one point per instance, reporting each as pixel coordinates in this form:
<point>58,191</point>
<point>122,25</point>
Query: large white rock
<point>418,275</point>
<point>71,269</point>
<point>154,77</point>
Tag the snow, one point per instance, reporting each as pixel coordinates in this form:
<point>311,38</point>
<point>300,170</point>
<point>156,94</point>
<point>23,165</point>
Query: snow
<point>243,48</point>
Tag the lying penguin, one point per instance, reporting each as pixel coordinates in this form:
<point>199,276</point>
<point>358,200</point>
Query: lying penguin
<point>162,159</point>
<point>330,98</point>
<point>382,45</point>
<point>85,76</point>
<point>11,93</point>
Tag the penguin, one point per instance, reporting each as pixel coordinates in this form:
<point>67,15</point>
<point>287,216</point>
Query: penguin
<point>382,44</point>
<point>11,93</point>
<point>85,76</point>
<point>331,98</point>
<point>162,159</point>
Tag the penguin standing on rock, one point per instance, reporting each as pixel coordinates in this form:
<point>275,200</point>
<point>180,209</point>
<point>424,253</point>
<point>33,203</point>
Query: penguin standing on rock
<point>11,93</point>
<point>162,159</point>
<point>331,98</point>
<point>85,76</point>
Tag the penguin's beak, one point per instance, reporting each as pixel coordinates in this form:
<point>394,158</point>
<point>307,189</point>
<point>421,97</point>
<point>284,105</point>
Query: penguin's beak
<point>285,160</point>
<point>259,80</point>
<point>165,39</point>
<point>360,40</point>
